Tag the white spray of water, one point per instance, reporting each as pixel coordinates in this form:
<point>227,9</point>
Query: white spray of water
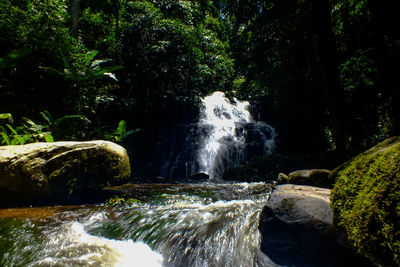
<point>71,245</point>
<point>224,145</point>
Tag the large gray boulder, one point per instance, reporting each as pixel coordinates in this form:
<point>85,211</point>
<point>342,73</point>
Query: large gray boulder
<point>297,230</point>
<point>46,171</point>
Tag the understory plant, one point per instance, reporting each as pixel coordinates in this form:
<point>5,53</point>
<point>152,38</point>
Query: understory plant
<point>30,131</point>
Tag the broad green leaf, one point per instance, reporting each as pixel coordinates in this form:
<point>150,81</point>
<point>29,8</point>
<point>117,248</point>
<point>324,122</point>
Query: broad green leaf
<point>49,138</point>
<point>6,139</point>
<point>90,56</point>
<point>6,116</point>
<point>121,130</point>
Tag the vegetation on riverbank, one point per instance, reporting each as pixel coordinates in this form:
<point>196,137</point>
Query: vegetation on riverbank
<point>365,201</point>
<point>309,64</point>
<point>323,73</point>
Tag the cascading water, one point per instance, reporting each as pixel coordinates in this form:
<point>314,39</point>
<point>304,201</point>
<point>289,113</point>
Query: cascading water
<point>180,225</point>
<point>224,145</point>
<point>225,136</point>
<point>175,225</point>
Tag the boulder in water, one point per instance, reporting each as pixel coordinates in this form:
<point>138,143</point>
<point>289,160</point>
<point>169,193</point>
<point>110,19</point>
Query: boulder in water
<point>297,230</point>
<point>51,171</point>
<point>313,177</point>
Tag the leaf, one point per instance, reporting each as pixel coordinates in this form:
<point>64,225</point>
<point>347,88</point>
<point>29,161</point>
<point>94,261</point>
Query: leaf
<point>6,139</point>
<point>68,117</point>
<point>34,127</point>
<point>121,130</point>
<point>6,116</point>
<point>12,129</point>
<point>20,139</point>
<point>97,62</point>
<point>29,121</point>
<point>110,69</point>
<point>28,5</point>
<point>90,56</point>
<point>132,132</point>
<point>47,116</point>
<point>49,138</point>
<point>51,70</point>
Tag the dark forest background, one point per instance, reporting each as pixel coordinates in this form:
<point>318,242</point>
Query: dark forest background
<point>324,73</point>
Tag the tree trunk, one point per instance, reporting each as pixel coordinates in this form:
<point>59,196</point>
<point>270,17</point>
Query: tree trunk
<point>385,31</point>
<point>75,10</point>
<point>326,55</point>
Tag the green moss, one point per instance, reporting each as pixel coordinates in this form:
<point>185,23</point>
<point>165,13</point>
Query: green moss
<point>366,202</point>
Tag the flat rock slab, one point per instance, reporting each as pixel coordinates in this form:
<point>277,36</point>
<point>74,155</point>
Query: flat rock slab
<point>43,171</point>
<point>300,203</point>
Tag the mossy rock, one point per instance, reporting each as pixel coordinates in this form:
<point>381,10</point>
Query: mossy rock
<point>366,202</point>
<point>42,172</point>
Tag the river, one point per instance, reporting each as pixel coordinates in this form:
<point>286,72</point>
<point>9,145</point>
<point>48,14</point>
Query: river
<point>203,224</point>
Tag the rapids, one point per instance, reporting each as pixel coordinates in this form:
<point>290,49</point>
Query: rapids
<point>173,225</point>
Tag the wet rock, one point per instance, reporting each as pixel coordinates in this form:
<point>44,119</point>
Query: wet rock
<point>297,230</point>
<point>49,171</point>
<point>199,176</point>
<point>313,177</point>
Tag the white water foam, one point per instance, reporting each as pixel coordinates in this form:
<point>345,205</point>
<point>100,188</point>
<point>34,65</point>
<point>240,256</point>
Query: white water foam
<point>225,144</point>
<point>71,245</point>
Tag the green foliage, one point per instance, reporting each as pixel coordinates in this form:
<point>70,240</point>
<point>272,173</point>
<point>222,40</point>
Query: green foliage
<point>170,57</point>
<point>365,202</point>
<point>14,58</point>
<point>14,136</point>
<point>121,132</point>
<point>30,131</point>
<point>122,202</point>
<point>6,117</point>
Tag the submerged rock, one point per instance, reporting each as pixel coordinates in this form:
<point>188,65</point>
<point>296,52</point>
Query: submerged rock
<point>297,230</point>
<point>366,202</point>
<point>48,171</point>
<point>313,177</point>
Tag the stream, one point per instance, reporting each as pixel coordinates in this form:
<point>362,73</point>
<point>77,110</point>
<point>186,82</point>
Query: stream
<point>213,223</point>
<point>204,224</point>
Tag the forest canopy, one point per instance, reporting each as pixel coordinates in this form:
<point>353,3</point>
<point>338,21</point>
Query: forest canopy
<point>323,72</point>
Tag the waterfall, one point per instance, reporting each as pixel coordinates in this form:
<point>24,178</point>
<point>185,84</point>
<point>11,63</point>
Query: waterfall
<point>231,136</point>
<point>224,137</point>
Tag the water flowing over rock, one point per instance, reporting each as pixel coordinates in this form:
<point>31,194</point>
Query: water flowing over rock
<point>196,225</point>
<point>224,137</point>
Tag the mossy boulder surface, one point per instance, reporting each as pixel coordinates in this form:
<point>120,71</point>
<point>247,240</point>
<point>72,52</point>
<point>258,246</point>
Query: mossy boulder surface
<point>366,202</point>
<point>43,171</point>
